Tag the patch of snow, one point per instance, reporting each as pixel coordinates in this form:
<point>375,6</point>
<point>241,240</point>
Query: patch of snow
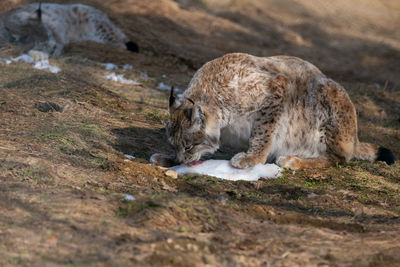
<point>163,86</point>
<point>120,78</point>
<point>7,61</point>
<point>41,59</point>
<point>164,76</point>
<point>128,197</point>
<point>44,64</point>
<point>224,170</point>
<point>129,156</point>
<point>109,66</point>
<point>24,57</point>
<point>143,75</point>
<point>127,67</point>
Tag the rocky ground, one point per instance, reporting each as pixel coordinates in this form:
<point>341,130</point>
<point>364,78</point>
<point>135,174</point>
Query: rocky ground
<point>64,177</point>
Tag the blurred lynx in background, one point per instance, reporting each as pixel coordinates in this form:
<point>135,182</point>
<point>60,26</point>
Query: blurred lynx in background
<point>49,27</point>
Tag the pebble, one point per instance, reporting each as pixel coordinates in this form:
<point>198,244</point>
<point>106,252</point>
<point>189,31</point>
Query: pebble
<point>38,55</point>
<point>312,195</point>
<point>171,173</point>
<point>222,199</point>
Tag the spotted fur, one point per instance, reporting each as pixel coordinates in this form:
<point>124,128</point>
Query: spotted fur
<point>50,27</point>
<point>277,109</point>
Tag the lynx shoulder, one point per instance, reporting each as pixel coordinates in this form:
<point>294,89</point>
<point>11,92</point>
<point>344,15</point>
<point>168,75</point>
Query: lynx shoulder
<point>277,109</point>
<point>49,27</point>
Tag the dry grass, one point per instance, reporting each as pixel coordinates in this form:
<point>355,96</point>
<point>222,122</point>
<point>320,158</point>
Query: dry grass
<point>63,176</point>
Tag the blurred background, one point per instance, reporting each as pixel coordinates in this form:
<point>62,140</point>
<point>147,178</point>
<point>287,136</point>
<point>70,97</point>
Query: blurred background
<point>358,38</point>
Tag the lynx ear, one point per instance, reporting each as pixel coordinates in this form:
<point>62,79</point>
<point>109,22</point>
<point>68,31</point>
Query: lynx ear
<point>173,102</point>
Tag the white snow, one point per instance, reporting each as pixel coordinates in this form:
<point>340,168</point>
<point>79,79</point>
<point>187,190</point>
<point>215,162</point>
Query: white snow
<point>44,64</point>
<point>120,78</point>
<point>110,66</point>
<point>127,67</point>
<point>128,197</point>
<point>24,57</point>
<point>143,75</point>
<point>7,61</point>
<point>129,156</point>
<point>224,170</point>
<point>163,86</point>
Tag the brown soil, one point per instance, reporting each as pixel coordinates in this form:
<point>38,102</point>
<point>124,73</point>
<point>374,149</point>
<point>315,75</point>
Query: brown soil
<point>63,176</point>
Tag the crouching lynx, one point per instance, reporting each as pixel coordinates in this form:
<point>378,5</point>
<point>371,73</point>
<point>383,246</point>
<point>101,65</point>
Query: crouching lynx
<point>49,27</point>
<point>277,109</point>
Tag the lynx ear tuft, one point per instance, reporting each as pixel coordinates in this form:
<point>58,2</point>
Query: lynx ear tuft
<point>173,102</point>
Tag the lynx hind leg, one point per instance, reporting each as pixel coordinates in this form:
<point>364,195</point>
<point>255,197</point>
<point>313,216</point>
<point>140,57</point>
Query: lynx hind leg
<point>296,163</point>
<point>340,133</point>
<point>340,149</point>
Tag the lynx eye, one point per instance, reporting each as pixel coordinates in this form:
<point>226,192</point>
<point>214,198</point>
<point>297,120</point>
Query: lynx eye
<point>188,147</point>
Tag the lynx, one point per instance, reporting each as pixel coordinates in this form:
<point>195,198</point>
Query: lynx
<point>49,27</point>
<point>277,109</point>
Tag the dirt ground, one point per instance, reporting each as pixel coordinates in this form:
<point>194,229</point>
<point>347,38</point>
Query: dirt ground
<point>64,177</point>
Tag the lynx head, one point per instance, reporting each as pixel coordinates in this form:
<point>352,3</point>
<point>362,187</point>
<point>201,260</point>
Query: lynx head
<point>190,130</point>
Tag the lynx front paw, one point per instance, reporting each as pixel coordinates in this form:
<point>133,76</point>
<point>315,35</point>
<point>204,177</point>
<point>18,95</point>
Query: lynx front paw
<point>290,162</point>
<point>162,160</point>
<point>243,160</point>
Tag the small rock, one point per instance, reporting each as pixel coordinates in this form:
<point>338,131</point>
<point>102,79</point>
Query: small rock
<point>48,106</point>
<point>312,195</point>
<point>222,199</point>
<point>171,173</point>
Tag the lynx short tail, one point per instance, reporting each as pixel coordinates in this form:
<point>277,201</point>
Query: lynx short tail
<point>371,152</point>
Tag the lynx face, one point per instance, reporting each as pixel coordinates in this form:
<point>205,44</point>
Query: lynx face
<point>189,131</point>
